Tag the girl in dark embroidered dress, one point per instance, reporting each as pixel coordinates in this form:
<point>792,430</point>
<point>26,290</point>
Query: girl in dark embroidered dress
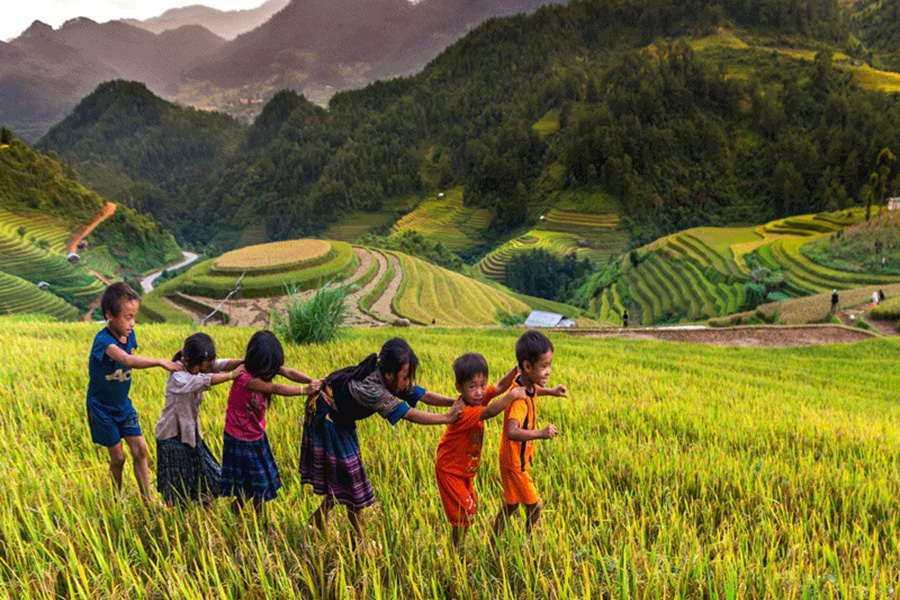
<point>330,458</point>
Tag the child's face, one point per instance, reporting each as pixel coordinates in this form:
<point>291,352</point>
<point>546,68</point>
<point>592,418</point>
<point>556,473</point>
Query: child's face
<point>204,367</point>
<point>398,382</point>
<point>539,371</point>
<point>473,390</point>
<point>123,324</point>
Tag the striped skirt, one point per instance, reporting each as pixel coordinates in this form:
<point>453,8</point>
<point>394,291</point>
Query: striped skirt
<point>186,474</point>
<point>249,469</point>
<point>330,460</point>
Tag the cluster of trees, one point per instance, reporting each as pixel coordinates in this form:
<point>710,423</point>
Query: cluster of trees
<point>542,274</point>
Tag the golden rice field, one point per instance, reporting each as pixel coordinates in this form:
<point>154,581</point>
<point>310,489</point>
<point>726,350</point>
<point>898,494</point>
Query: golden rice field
<point>680,471</point>
<point>274,256</point>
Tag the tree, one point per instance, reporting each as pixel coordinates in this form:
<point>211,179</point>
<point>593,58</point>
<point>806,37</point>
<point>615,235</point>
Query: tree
<point>878,181</point>
<point>6,136</point>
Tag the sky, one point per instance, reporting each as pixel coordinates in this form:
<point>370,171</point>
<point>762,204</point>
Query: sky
<point>18,15</point>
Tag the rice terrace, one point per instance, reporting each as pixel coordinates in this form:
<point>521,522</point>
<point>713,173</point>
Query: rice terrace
<point>632,265</point>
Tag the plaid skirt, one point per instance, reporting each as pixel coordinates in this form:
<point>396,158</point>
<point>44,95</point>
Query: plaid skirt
<point>249,469</point>
<point>184,473</point>
<point>330,459</point>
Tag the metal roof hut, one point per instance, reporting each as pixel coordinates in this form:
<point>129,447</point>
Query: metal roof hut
<point>43,285</point>
<point>540,318</point>
<point>73,258</point>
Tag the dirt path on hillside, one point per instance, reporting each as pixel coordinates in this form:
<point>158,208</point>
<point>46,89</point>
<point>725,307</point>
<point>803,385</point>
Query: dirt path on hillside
<point>764,337</point>
<point>108,209</point>
<point>382,306</point>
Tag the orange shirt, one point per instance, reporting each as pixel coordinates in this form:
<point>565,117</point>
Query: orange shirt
<point>518,455</point>
<point>459,450</point>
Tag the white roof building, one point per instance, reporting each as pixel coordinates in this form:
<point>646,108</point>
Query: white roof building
<point>540,318</point>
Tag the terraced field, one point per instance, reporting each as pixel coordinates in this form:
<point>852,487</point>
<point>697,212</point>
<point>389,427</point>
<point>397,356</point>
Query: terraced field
<point>700,273</point>
<point>388,285</point>
<point>446,220</point>
<point>354,226</point>
<point>26,260</point>
<point>41,228</point>
<point>594,236</point>
<point>20,296</point>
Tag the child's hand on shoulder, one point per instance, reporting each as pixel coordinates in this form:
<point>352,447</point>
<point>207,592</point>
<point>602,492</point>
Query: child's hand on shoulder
<point>455,410</point>
<point>238,371</point>
<point>168,365</point>
<point>517,393</point>
<point>559,391</point>
<point>314,386</point>
<point>549,432</point>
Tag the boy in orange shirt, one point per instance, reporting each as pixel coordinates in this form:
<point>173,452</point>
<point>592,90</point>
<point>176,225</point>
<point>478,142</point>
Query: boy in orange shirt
<point>458,452</point>
<point>534,353</point>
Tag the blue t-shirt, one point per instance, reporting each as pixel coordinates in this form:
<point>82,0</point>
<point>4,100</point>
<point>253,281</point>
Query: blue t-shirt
<point>110,380</point>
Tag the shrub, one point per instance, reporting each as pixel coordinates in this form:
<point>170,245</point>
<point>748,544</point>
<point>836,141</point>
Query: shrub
<point>313,320</point>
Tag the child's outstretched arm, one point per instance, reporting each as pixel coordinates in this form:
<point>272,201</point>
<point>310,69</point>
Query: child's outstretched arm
<point>506,381</point>
<point>229,365</point>
<point>227,374</point>
<point>499,405</point>
<point>281,389</point>
<point>559,391</point>
<point>422,417</point>
<point>295,375</point>
<point>437,399</point>
<point>517,434</point>
<point>132,361</point>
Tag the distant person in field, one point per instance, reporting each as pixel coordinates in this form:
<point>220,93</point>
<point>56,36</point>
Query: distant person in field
<point>534,353</point>
<point>624,318</point>
<point>249,471</point>
<point>330,457</point>
<point>185,468</point>
<point>111,415</point>
<point>834,301</point>
<point>875,298</point>
<point>880,295</point>
<point>459,451</point>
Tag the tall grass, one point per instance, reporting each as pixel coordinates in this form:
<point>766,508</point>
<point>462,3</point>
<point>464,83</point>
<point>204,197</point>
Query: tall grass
<point>315,319</point>
<point>680,471</point>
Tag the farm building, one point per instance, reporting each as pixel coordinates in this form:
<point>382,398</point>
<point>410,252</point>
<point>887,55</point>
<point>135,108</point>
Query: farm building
<point>540,318</point>
<point>893,204</point>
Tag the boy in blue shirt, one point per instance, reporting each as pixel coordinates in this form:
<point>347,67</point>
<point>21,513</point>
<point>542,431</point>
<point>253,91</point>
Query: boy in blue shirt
<point>110,413</point>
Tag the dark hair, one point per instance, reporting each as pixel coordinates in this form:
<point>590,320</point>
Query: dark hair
<point>395,353</point>
<point>531,346</point>
<point>264,355</point>
<point>468,366</point>
<point>197,348</point>
<point>115,296</point>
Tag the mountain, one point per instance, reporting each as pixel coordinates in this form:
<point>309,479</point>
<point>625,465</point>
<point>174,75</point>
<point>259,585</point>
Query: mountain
<point>573,97</point>
<point>225,24</point>
<point>316,46</point>
<point>44,72</point>
<point>141,151</point>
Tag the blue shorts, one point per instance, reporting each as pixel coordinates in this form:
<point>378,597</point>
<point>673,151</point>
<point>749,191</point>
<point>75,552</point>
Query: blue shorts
<point>108,428</point>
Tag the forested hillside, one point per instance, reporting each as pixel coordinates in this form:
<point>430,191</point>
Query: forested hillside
<point>680,137</point>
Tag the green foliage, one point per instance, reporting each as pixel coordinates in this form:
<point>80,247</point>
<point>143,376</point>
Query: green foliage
<point>889,310</point>
<point>414,243</point>
<point>316,319</point>
<point>540,273</point>
<point>869,247</point>
<point>509,319</point>
<point>136,241</point>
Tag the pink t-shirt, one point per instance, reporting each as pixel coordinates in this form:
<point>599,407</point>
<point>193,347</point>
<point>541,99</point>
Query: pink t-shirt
<point>242,420</point>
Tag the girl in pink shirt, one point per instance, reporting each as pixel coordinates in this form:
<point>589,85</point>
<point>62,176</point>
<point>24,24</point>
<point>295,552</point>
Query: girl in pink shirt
<point>248,467</point>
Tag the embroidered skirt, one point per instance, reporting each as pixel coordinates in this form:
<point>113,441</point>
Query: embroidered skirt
<point>184,473</point>
<point>249,469</point>
<point>330,459</point>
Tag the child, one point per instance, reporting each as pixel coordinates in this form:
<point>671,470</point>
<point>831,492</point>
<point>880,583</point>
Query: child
<point>330,458</point>
<point>458,452</point>
<point>110,413</point>
<point>186,469</point>
<point>248,467</point>
<point>534,353</point>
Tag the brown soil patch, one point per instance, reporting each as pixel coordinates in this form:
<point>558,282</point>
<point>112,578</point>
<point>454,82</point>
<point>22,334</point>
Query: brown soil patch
<point>382,306</point>
<point>767,337</point>
<point>108,209</point>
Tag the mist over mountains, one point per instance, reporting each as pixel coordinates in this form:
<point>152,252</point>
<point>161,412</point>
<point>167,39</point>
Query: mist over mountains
<point>227,24</point>
<point>316,47</point>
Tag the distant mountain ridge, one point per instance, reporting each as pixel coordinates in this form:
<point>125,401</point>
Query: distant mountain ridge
<point>227,24</point>
<point>316,47</point>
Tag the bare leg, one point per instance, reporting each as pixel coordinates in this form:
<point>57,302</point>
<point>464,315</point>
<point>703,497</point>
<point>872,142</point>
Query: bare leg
<point>532,514</point>
<point>116,464</point>
<point>502,517</point>
<point>458,534</point>
<point>140,456</point>
<point>320,515</point>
